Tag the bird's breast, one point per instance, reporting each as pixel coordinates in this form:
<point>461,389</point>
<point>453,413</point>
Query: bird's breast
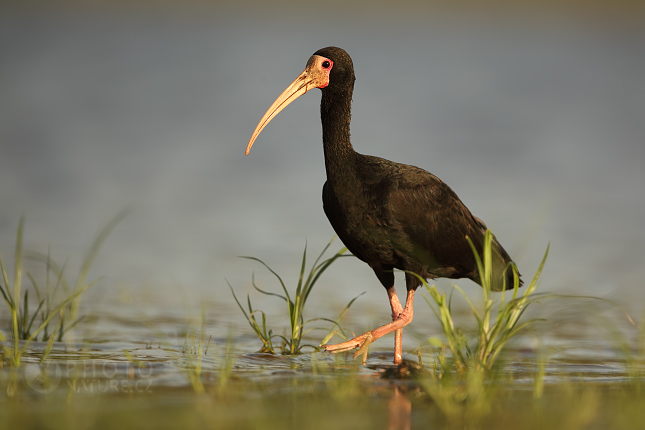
<point>361,219</point>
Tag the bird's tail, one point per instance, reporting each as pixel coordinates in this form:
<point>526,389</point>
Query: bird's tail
<point>503,276</point>
<point>503,269</point>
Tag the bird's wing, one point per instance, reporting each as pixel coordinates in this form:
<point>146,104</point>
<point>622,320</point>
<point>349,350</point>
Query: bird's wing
<point>427,223</point>
<point>430,221</point>
<point>435,219</point>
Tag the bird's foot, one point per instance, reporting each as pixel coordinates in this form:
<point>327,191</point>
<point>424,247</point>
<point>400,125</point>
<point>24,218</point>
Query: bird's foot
<point>361,342</point>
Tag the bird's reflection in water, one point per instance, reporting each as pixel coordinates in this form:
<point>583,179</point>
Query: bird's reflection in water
<point>403,378</point>
<point>400,409</point>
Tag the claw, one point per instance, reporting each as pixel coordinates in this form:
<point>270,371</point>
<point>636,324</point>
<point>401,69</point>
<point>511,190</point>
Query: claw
<point>369,338</point>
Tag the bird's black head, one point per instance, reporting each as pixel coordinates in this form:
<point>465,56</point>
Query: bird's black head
<point>342,72</point>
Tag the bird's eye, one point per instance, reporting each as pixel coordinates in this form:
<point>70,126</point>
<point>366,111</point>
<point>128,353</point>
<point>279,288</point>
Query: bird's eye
<point>326,64</point>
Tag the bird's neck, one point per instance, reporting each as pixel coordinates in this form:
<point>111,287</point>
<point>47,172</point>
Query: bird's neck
<point>336,114</point>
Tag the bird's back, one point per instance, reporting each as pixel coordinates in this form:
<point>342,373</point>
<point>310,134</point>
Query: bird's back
<point>396,215</point>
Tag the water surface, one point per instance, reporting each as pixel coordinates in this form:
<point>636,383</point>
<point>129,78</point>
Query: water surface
<point>533,118</point>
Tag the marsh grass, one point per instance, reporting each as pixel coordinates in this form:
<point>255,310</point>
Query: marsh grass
<point>468,384</point>
<point>189,361</point>
<point>62,312</point>
<point>494,330</point>
<point>195,348</point>
<point>292,342</point>
<point>482,393</point>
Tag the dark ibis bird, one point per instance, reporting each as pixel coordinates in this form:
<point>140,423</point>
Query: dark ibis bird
<point>389,215</point>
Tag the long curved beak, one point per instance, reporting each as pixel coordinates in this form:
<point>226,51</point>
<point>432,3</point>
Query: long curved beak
<point>307,80</point>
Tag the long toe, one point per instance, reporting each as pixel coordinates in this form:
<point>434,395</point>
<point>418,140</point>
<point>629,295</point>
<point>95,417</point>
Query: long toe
<point>357,342</point>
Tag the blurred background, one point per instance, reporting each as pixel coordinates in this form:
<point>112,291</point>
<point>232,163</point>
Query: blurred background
<point>533,112</point>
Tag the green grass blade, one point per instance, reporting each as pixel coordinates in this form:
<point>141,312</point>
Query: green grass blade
<point>287,298</point>
<point>268,293</point>
<point>337,321</point>
<point>323,267</point>
<point>303,266</point>
<point>33,317</point>
<point>260,332</point>
<point>91,256</point>
<point>17,274</point>
<point>49,318</point>
<point>7,294</point>
<point>50,342</point>
<point>25,315</point>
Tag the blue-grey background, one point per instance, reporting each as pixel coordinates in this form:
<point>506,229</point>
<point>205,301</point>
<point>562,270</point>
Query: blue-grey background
<point>532,112</point>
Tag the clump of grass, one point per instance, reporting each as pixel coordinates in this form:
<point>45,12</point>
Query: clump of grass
<point>62,313</point>
<point>493,330</point>
<point>194,349</point>
<point>292,343</point>
<point>190,360</point>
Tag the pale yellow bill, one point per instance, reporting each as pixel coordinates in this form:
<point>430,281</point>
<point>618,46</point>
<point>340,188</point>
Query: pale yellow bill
<point>312,77</point>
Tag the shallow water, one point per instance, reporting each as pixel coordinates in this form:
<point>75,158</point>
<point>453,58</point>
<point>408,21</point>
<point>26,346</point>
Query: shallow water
<point>163,349</point>
<point>134,366</point>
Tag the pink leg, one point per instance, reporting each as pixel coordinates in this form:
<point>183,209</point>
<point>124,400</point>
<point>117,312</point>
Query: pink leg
<point>363,341</point>
<point>398,334</point>
<point>398,346</point>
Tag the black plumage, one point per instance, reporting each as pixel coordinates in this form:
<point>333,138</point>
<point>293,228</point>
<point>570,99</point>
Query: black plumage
<point>389,215</point>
